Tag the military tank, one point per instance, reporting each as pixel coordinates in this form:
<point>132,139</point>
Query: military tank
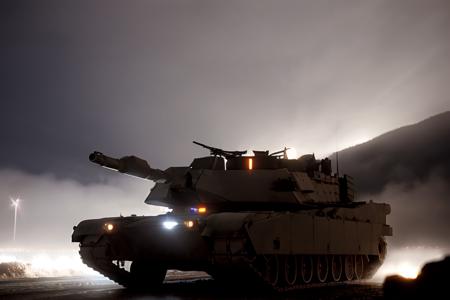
<point>261,218</point>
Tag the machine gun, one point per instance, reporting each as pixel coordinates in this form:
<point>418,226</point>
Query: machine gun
<point>130,165</point>
<point>220,152</point>
<point>281,153</point>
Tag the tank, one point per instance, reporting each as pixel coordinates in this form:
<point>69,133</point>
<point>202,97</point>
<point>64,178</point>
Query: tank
<point>261,218</point>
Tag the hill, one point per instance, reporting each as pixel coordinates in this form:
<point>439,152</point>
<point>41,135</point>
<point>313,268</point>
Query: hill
<point>409,168</point>
<point>403,156</point>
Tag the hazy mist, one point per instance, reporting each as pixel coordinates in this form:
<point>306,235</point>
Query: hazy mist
<point>50,207</point>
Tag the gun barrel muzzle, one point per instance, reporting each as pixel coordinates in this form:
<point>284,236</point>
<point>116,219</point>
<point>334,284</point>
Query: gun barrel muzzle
<point>105,161</point>
<point>95,156</point>
<point>130,165</point>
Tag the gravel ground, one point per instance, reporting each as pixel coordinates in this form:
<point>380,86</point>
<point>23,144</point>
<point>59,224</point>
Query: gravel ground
<point>190,287</point>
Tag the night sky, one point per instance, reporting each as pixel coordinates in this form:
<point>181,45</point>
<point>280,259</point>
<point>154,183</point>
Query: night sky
<point>148,77</point>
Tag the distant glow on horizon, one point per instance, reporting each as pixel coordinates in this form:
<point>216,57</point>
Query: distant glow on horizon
<point>64,265</point>
<point>42,263</point>
<point>6,258</point>
<point>407,270</point>
<point>407,262</point>
<point>292,153</point>
<point>358,141</point>
<point>352,141</point>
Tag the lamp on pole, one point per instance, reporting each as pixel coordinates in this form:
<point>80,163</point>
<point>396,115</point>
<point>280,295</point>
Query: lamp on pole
<point>15,204</point>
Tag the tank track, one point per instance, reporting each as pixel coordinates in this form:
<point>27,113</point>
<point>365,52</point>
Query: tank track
<point>105,266</point>
<point>252,268</point>
<point>248,269</point>
<point>281,287</point>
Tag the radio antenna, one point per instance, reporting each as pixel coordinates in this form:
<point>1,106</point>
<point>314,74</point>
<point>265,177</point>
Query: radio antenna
<point>337,149</point>
<point>337,163</point>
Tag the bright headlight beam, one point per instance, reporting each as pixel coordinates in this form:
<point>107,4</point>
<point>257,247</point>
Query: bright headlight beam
<point>109,226</point>
<point>169,224</point>
<point>189,223</point>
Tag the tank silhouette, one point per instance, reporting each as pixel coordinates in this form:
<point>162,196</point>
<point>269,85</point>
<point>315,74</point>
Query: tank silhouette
<point>265,219</point>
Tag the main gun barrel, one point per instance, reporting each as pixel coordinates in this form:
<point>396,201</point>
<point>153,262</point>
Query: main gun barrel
<point>130,165</point>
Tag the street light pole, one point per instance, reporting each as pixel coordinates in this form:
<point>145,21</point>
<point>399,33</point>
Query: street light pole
<point>15,203</point>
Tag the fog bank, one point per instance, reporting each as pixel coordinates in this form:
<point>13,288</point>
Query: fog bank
<point>50,207</point>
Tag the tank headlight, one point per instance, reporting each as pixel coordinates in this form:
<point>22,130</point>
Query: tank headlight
<point>169,224</point>
<point>109,227</point>
<point>189,223</point>
<point>202,210</point>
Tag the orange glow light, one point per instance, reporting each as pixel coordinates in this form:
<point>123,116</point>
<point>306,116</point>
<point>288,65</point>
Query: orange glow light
<point>189,224</point>
<point>250,163</point>
<point>202,210</point>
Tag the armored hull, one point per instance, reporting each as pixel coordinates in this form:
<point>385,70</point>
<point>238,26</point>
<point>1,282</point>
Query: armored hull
<point>261,219</point>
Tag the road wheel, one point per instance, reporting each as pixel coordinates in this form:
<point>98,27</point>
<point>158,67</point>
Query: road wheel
<point>359,267</point>
<point>322,268</point>
<point>290,269</point>
<point>306,268</point>
<point>336,267</point>
<point>349,267</point>
<point>382,249</point>
<point>271,269</point>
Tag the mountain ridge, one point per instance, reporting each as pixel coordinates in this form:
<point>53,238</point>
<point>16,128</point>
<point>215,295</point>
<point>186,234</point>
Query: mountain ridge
<point>404,155</point>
